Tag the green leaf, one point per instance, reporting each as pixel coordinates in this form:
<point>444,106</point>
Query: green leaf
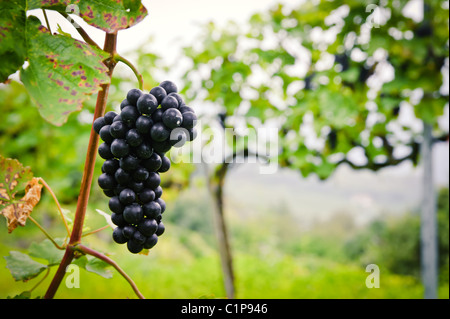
<point>49,4</point>
<point>95,265</point>
<point>47,250</point>
<point>22,267</point>
<point>111,16</point>
<point>12,37</point>
<point>62,73</point>
<point>22,295</point>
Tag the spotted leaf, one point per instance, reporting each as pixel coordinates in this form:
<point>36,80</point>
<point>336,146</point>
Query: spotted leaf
<point>62,72</point>
<point>12,37</point>
<point>107,15</point>
<point>14,179</point>
<point>111,16</point>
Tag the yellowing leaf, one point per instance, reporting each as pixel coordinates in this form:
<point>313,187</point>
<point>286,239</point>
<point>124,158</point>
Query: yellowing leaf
<point>14,179</point>
<point>17,213</point>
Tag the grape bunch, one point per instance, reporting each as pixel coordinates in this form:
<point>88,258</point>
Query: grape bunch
<point>134,146</point>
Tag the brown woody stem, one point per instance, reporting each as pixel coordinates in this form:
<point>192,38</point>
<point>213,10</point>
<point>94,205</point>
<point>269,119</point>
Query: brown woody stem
<point>109,47</point>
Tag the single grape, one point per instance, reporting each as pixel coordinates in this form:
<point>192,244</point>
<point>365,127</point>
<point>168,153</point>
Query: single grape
<point>152,209</point>
<point>153,163</point>
<point>133,96</point>
<point>118,220</point>
<point>165,166</point>
<point>189,120</point>
<point>139,237</point>
<point>133,213</point>
<point>106,181</point>
<point>144,151</point>
<point>124,103</point>
<point>104,150</point>
<point>122,176</point>
<point>110,166</point>
<point>159,93</point>
<point>129,163</point>
<point>159,132</point>
<point>172,118</point>
<point>120,148</point>
<point>130,114</point>
<point>136,186</point>
<point>146,195</point>
<point>151,241</point>
<point>169,87</point>
<point>158,192</point>
<point>98,124</point>
<point>118,129</point>
<point>184,108</point>
<point>127,196</point>
<point>128,231</point>
<point>140,174</point>
<point>147,104</point>
<point>162,147</point>
<point>134,247</point>
<point>109,192</point>
<point>169,102</point>
<point>157,115</point>
<point>153,180</point>
<point>162,204</point>
<point>105,135</point>
<point>118,236</point>
<point>133,137</point>
<point>109,117</point>
<point>160,230</point>
<point>147,227</point>
<point>144,124</point>
<point>178,97</point>
<point>115,205</point>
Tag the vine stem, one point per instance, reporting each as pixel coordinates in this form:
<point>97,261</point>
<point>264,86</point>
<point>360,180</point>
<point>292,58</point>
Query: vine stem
<point>81,32</point>
<point>45,233</point>
<point>109,47</point>
<point>46,21</point>
<point>57,203</point>
<point>95,231</point>
<point>138,75</point>
<point>108,260</point>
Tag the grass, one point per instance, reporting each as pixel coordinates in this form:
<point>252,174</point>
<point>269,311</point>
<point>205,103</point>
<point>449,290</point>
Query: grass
<point>185,264</point>
<point>172,272</point>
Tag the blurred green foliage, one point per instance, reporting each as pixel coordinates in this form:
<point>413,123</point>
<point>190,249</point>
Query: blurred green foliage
<point>396,244</point>
<point>333,77</point>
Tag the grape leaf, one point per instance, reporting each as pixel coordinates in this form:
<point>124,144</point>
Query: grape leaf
<point>22,295</point>
<point>22,267</point>
<point>95,265</point>
<point>12,37</point>
<point>17,213</point>
<point>62,72</point>
<point>47,251</point>
<point>15,178</point>
<point>109,16</point>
